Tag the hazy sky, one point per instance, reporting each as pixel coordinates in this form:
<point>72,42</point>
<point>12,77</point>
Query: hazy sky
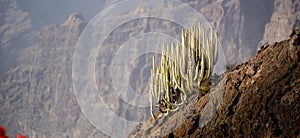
<point>43,12</point>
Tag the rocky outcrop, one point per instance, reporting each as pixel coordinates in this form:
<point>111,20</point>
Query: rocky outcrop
<point>14,26</point>
<point>261,98</point>
<point>285,17</point>
<point>13,22</point>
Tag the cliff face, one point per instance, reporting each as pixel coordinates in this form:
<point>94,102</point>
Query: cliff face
<point>285,16</point>
<point>261,98</point>
<point>14,24</point>
<point>244,25</point>
<point>36,96</point>
<point>240,26</point>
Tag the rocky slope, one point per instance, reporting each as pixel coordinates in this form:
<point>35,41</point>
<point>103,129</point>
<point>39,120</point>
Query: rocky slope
<point>261,99</point>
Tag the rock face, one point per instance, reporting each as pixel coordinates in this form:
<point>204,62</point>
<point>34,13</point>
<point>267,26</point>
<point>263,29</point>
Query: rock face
<point>13,22</point>
<point>37,97</point>
<point>244,25</point>
<point>240,27</point>
<point>261,98</point>
<point>285,17</point>
<point>14,25</point>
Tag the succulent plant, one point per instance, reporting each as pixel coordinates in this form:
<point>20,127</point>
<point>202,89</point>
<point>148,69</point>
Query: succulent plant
<point>184,66</point>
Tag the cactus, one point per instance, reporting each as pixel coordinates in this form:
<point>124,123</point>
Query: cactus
<point>182,66</point>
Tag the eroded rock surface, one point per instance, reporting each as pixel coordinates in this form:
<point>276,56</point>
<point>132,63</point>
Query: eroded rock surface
<point>261,98</point>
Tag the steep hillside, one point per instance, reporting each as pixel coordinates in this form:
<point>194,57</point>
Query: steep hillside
<point>261,98</point>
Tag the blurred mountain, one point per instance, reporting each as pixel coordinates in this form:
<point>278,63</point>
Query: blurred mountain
<point>20,19</point>
<point>36,96</point>
<point>244,25</point>
<point>36,92</point>
<point>285,16</point>
<point>13,22</point>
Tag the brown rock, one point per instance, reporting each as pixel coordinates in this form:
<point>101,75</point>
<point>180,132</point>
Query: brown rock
<point>261,99</point>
